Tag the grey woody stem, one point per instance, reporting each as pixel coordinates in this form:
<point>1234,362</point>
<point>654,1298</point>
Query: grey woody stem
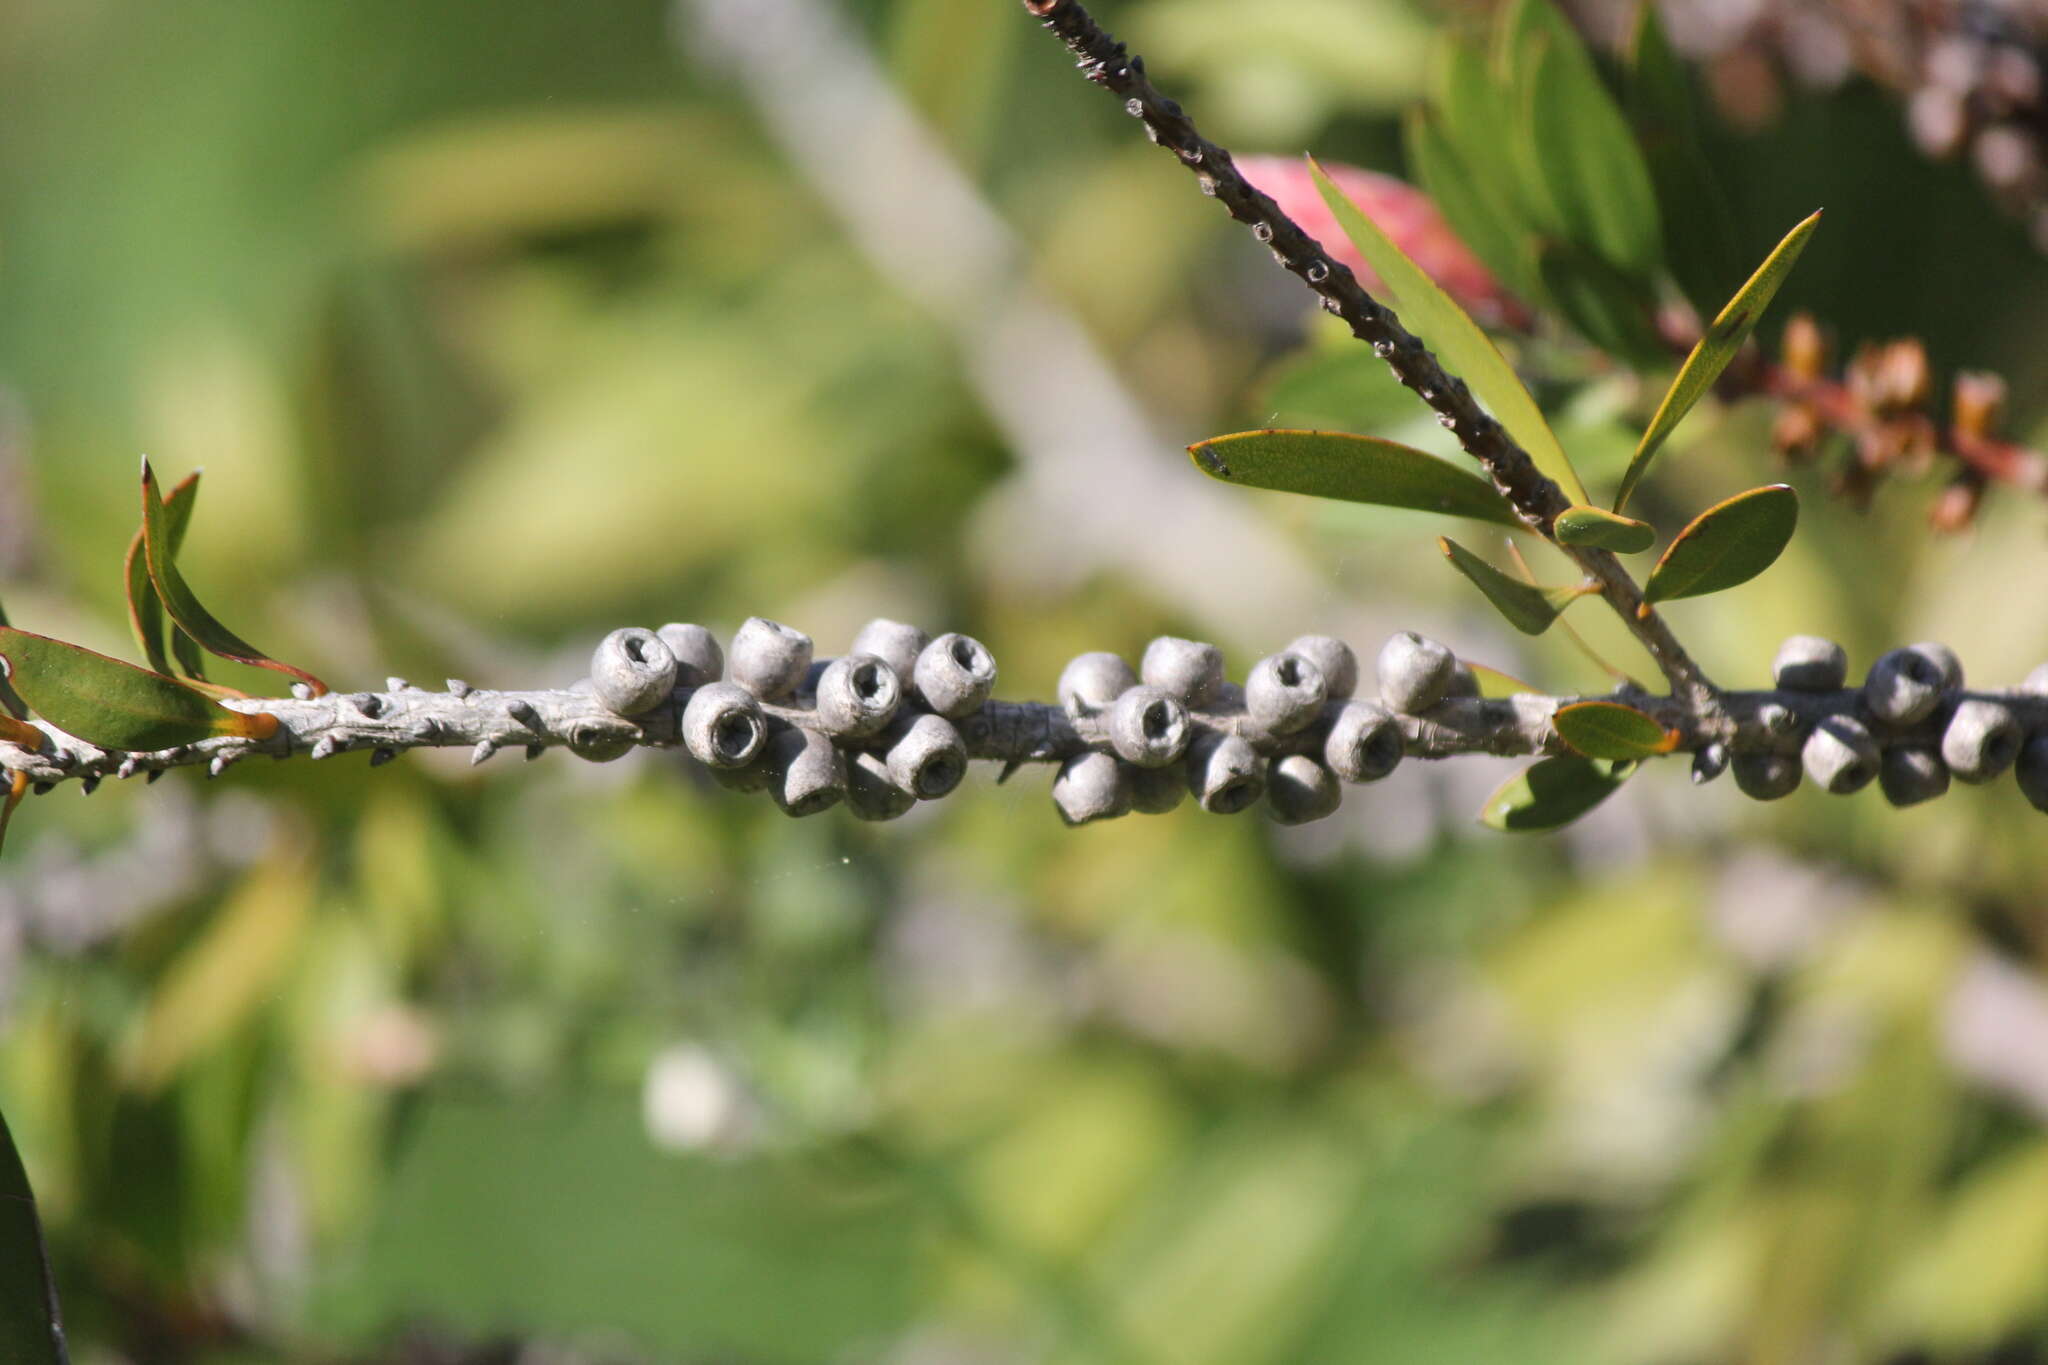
<point>1534,496</point>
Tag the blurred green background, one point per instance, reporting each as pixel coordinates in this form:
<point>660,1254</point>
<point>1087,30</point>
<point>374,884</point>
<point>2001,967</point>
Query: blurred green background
<point>498,325</point>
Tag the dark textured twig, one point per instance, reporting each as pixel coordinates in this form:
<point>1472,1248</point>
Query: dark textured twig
<point>1534,496</point>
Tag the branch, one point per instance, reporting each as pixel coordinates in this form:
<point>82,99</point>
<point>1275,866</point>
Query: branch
<point>1534,496</point>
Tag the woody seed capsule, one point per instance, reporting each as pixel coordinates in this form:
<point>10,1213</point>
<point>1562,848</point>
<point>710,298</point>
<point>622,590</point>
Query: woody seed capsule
<point>857,695</point>
<point>1284,692</point>
<point>1981,741</point>
<point>1091,786</point>
<point>1364,743</point>
<point>1415,673</point>
<point>769,659</point>
<point>2031,769</point>
<point>1943,658</point>
<point>1903,687</point>
<point>1147,727</point>
<point>1909,776</point>
<point>1225,773</point>
<point>632,671</point>
<point>1334,658</point>
<point>723,726</point>
<point>1300,790</point>
<point>1840,755</point>
<point>699,660</point>
<point>1155,791</point>
<point>954,674</point>
<point>1709,763</point>
<point>927,758</point>
<point>1464,682</point>
<point>2036,683</point>
<point>871,794</point>
<point>1187,669</point>
<point>1766,777</point>
<point>1092,682</point>
<point>807,774</point>
<point>1808,663</point>
<point>893,642</point>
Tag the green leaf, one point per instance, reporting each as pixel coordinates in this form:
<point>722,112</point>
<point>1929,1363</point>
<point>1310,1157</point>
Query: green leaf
<point>17,787</point>
<point>116,705</point>
<point>1528,608</point>
<point>1726,545</point>
<point>1552,793</point>
<point>184,608</point>
<point>1716,348</point>
<point>1700,231</point>
<point>1450,331</point>
<point>9,698</point>
<point>1588,155</point>
<point>1614,311</point>
<point>1476,107</point>
<point>1475,209</point>
<point>145,608</point>
<point>1335,464</point>
<point>31,1330</point>
<point>1600,529</point>
<point>1495,685</point>
<point>1607,729</point>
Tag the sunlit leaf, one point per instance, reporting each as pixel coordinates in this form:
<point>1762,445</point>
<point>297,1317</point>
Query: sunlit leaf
<point>1527,607</point>
<point>116,705</point>
<point>1600,529</point>
<point>1607,729</point>
<point>1588,155</point>
<point>1476,209</point>
<point>1715,349</point>
<point>1552,793</point>
<point>1495,685</point>
<point>1726,545</point>
<point>1334,464</point>
<point>1476,107</point>
<point>31,1329</point>
<point>1457,340</point>
<point>184,608</point>
<point>145,608</point>
<point>1612,310</point>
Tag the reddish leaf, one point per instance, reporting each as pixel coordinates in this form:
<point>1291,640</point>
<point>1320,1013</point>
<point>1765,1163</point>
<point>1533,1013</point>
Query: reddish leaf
<point>116,705</point>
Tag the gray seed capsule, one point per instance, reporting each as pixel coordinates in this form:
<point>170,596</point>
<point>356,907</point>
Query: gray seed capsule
<point>1155,791</point>
<point>1766,777</point>
<point>1840,755</point>
<point>1777,719</point>
<point>871,794</point>
<point>893,642</point>
<point>1808,663</point>
<point>1189,670</point>
<point>954,675</point>
<point>2036,683</point>
<point>1943,658</point>
<point>857,695</point>
<point>2031,768</point>
<point>1464,682</point>
<point>699,660</point>
<point>1415,672</point>
<point>1284,692</point>
<point>723,726</point>
<point>599,743</point>
<point>1903,687</point>
<point>632,671</point>
<point>1148,727</point>
<point>1334,658</point>
<point>1091,786</point>
<point>926,757</point>
<point>755,777</point>
<point>1908,776</point>
<point>1981,741</point>
<point>1300,790</point>
<point>1225,773</point>
<point>1092,682</point>
<point>769,659</point>
<point>1709,763</point>
<point>1364,743</point>
<point>806,772</point>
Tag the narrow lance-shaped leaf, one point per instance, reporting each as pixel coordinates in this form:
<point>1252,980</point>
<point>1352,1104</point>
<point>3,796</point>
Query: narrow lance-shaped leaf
<point>1726,545</point>
<point>1527,607</point>
<point>1715,350</point>
<point>31,1330</point>
<point>1476,210</point>
<point>1607,729</point>
<point>1589,156</point>
<point>1552,793</point>
<point>1457,340</point>
<point>1699,228</point>
<point>116,705</point>
<point>1614,311</point>
<point>1599,529</point>
<point>1475,106</point>
<point>184,608</point>
<point>1495,685</point>
<point>1335,464</point>
<point>145,608</point>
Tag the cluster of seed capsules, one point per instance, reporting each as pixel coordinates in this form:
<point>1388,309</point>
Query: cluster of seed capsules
<point>1909,730</point>
<point>880,728</point>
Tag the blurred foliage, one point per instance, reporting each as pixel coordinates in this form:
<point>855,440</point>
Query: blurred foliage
<point>496,326</point>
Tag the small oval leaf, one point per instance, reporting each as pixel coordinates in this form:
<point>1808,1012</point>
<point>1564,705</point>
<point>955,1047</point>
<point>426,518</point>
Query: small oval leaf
<point>178,599</point>
<point>1552,793</point>
<point>1726,545</point>
<point>1715,349</point>
<point>116,705</point>
<point>1448,330</point>
<point>1527,607</point>
<point>1607,729</point>
<point>1599,529</point>
<point>1335,464</point>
